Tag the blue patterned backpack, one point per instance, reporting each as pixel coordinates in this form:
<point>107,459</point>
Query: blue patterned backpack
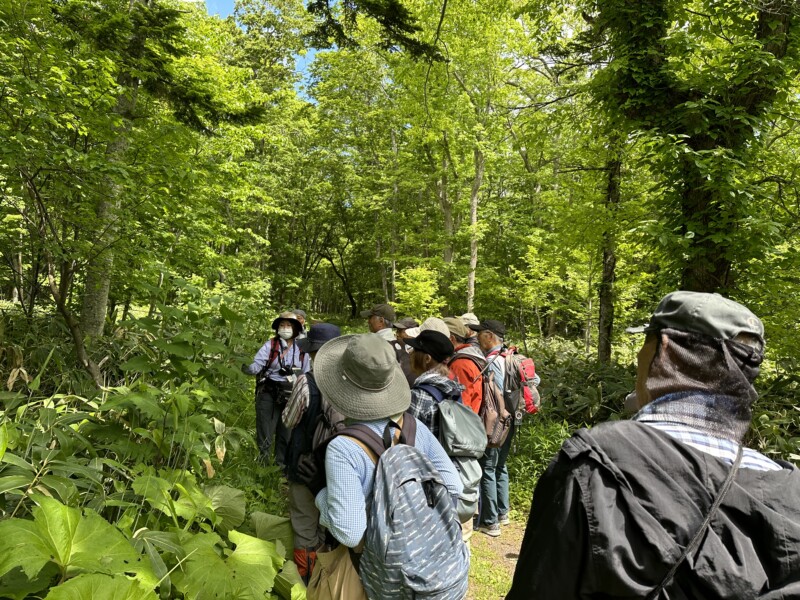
<point>412,547</point>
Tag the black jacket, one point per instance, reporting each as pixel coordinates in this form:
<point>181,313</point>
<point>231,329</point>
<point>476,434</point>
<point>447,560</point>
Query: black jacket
<point>616,507</point>
<point>302,436</point>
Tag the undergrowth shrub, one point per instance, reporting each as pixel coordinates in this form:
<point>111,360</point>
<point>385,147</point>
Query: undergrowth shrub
<point>144,486</point>
<point>536,443</point>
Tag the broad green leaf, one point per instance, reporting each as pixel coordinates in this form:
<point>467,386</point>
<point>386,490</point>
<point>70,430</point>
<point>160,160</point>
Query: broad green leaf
<point>140,363</point>
<point>273,528</point>
<point>179,349</point>
<point>100,587</point>
<point>148,405</point>
<point>229,315</point>
<point>298,592</point>
<point>288,583</point>
<point>156,491</point>
<point>166,540</point>
<point>248,572</point>
<point>63,486</point>
<point>192,502</point>
<point>75,542</point>
<point>229,505</point>
<point>17,586</point>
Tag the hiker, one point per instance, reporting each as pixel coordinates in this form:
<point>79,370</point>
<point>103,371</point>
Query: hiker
<point>470,319</point>
<point>360,377</point>
<point>670,504</point>
<point>380,319</point>
<point>435,324</point>
<point>302,416</point>
<point>301,316</point>
<point>465,440</point>
<point>466,364</point>
<point>273,367</point>
<point>494,483</point>
<point>402,326</point>
<point>429,363</point>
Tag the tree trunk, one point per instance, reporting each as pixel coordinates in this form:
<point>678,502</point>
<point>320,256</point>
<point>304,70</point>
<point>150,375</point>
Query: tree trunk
<point>445,204</point>
<point>59,291</point>
<point>94,302</point>
<point>480,163</point>
<point>384,278</point>
<point>343,277</point>
<point>707,268</point>
<point>605,322</point>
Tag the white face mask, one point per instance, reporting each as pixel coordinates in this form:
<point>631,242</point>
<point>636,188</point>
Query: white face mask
<point>286,333</point>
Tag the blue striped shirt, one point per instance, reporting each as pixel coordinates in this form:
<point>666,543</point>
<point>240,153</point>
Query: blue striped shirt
<point>350,475</point>
<point>721,448</point>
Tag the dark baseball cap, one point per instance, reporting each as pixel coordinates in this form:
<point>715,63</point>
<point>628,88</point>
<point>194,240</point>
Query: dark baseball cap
<point>380,310</point>
<point>434,343</point>
<point>496,327</point>
<point>405,323</point>
<point>711,315</point>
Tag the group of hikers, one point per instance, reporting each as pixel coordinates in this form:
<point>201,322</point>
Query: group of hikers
<point>395,444</point>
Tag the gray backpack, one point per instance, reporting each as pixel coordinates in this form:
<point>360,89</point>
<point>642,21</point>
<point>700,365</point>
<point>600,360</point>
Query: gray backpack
<point>463,438</point>
<point>412,547</point>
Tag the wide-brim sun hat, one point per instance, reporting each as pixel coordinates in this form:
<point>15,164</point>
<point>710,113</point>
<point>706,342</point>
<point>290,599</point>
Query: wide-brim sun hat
<point>361,378</point>
<point>287,316</point>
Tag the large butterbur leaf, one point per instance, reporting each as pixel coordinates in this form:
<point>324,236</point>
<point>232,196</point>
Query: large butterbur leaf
<point>275,529</point>
<point>247,572</point>
<point>75,542</point>
<point>229,505</point>
<point>100,587</point>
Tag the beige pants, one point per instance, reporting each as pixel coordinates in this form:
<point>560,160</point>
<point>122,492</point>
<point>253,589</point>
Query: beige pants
<point>466,530</point>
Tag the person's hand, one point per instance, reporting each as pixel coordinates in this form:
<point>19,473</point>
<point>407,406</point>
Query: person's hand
<point>246,369</point>
<point>310,474</point>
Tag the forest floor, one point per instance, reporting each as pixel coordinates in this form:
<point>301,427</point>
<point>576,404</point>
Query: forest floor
<point>493,562</point>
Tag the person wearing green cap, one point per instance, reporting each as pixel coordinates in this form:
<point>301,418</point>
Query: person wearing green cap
<point>671,504</point>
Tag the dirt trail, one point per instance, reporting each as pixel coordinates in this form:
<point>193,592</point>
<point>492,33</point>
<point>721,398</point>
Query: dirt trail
<point>493,562</point>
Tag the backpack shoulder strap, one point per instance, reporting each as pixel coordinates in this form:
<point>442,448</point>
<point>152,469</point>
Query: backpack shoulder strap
<point>409,429</point>
<point>366,438</point>
<point>274,350</point>
<point>434,391</point>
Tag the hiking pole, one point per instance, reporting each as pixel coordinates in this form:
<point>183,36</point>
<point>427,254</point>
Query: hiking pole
<point>488,363</point>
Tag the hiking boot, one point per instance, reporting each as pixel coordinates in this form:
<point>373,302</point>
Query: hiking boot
<point>504,520</point>
<point>492,530</point>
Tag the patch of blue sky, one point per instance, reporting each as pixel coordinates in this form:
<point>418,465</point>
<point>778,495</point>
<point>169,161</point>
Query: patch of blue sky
<point>224,8</point>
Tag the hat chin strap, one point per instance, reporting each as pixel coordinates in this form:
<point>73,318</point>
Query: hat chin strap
<point>353,380</point>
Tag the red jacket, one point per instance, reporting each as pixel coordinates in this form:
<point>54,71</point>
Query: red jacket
<point>465,371</point>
